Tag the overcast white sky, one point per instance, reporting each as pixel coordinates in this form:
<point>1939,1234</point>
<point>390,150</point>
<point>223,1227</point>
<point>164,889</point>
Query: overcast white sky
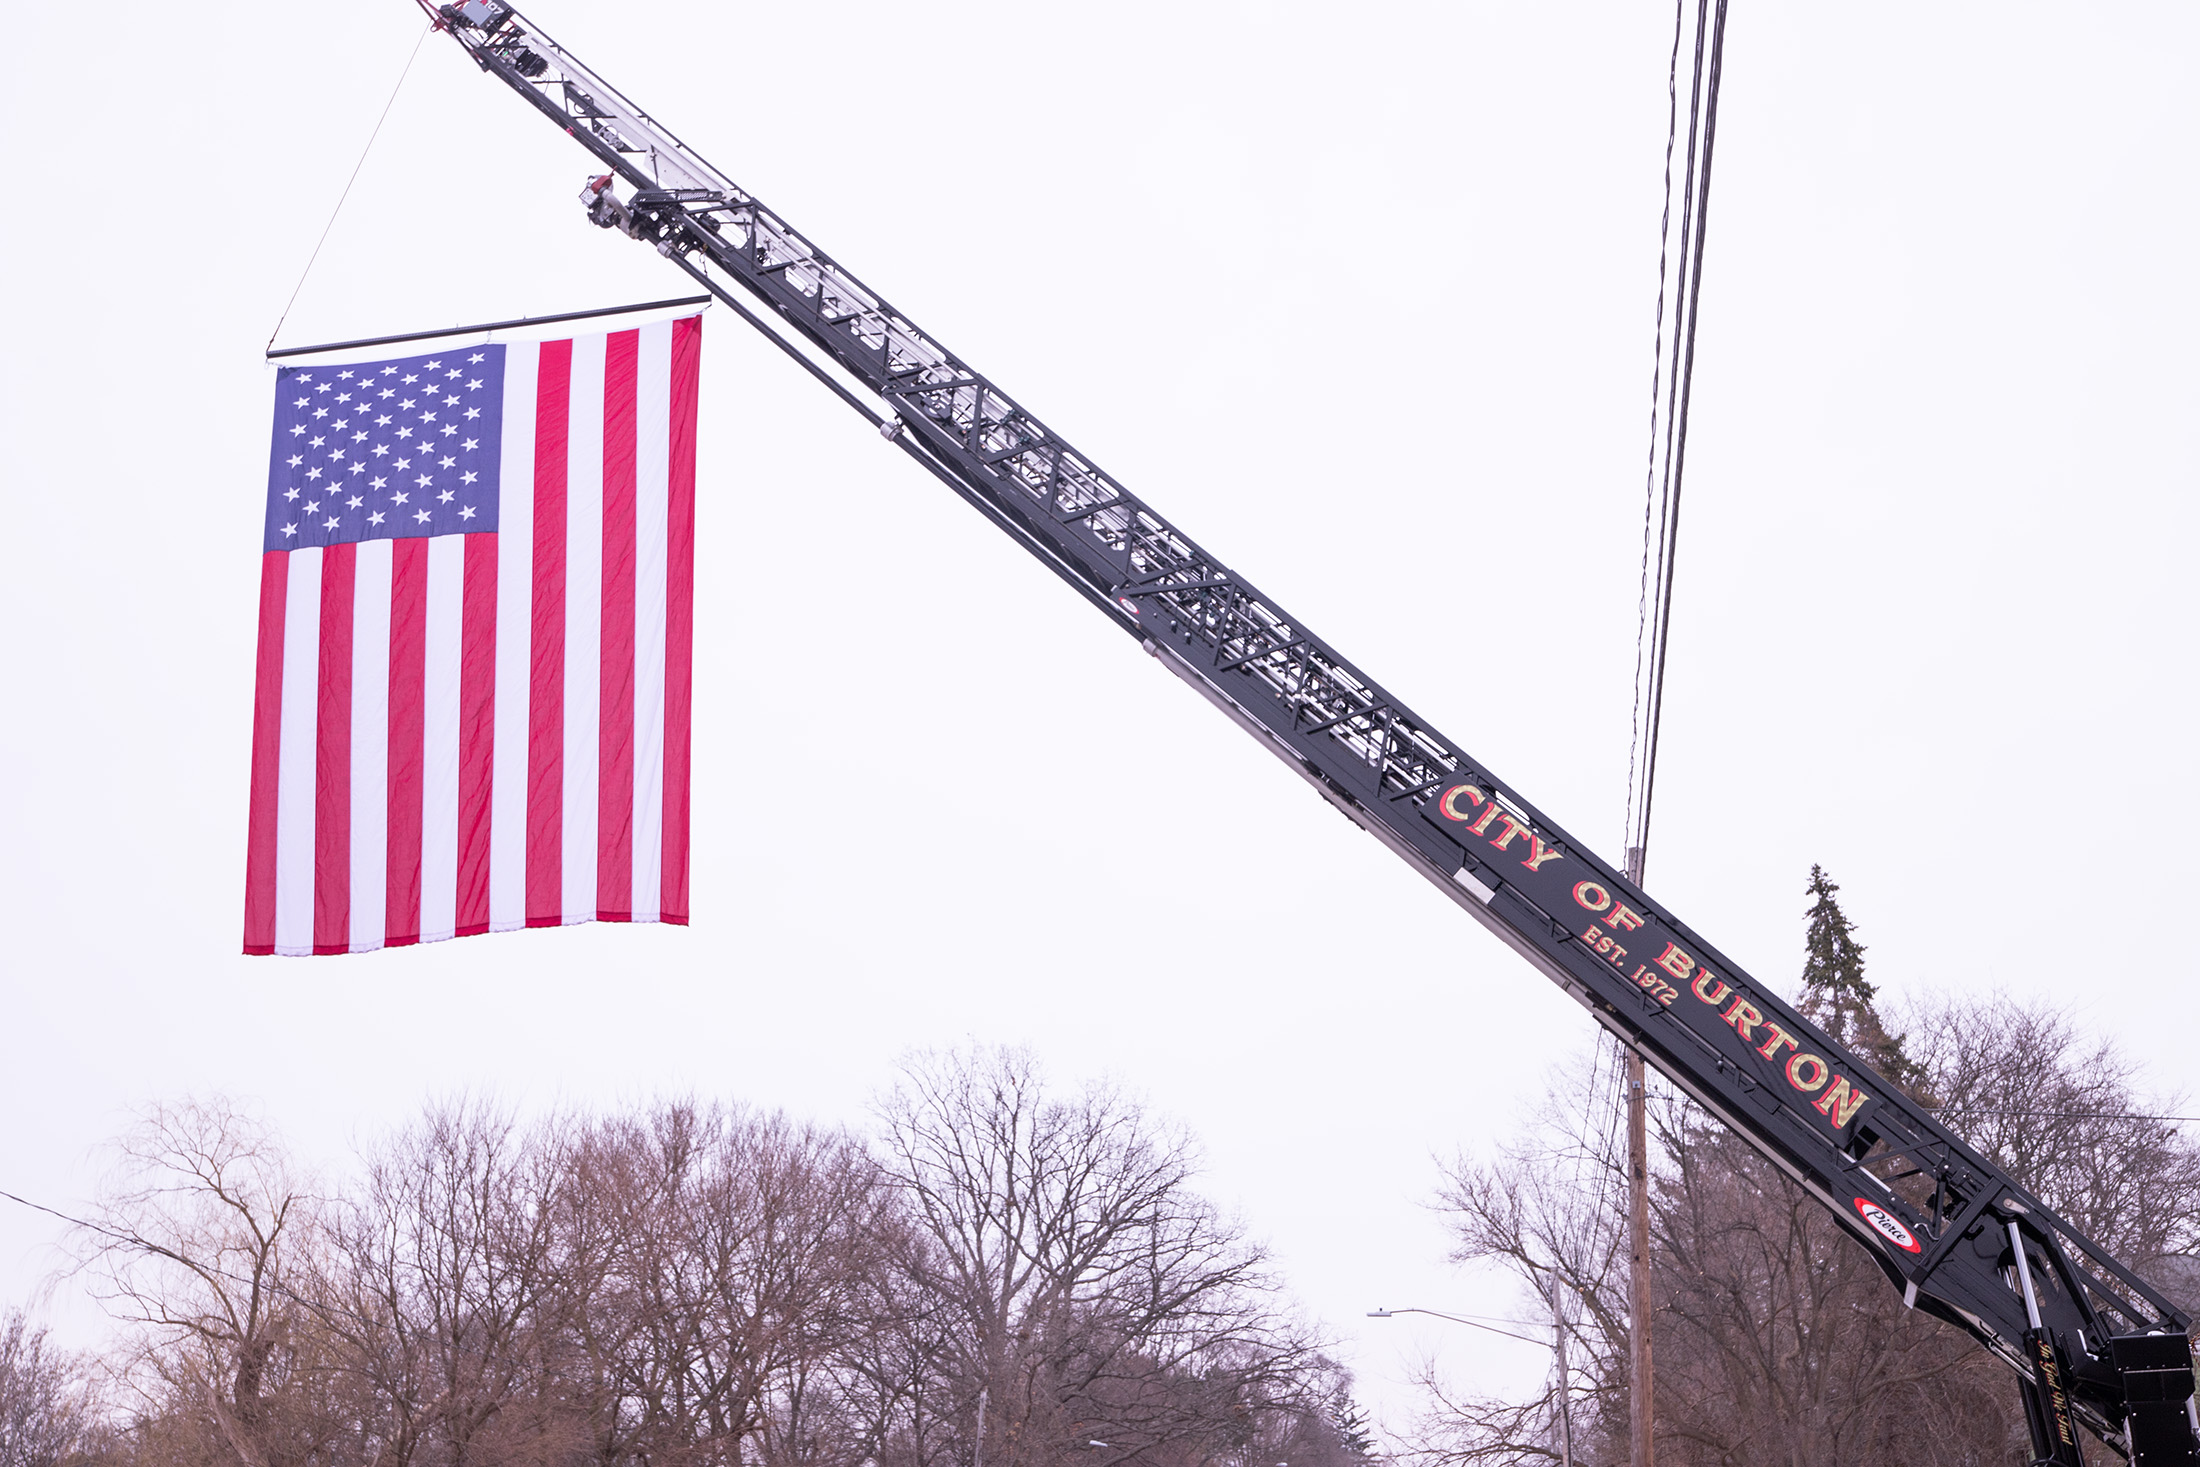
<point>1361,296</point>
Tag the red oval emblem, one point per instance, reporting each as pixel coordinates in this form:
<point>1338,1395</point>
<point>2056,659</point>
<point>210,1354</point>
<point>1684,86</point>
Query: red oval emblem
<point>1887,1225</point>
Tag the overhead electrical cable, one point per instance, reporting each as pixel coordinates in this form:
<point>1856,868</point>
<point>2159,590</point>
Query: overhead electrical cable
<point>1657,383</point>
<point>1680,292</point>
<point>198,1266</point>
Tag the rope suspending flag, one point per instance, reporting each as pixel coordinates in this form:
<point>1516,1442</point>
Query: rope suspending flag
<point>476,621</point>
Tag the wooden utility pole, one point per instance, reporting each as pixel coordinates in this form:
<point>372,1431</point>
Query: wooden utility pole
<point>1638,1314</point>
<point>1660,554</point>
<point>1639,1375</point>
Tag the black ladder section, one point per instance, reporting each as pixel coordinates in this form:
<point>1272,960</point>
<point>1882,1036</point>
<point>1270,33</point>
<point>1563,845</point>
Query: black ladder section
<point>2097,1348</point>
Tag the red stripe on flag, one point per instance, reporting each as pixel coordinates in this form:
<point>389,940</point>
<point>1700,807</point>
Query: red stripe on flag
<point>546,664</point>
<point>477,730</point>
<point>332,744</point>
<point>687,353</point>
<point>408,737</point>
<point>267,758</point>
<point>615,702</point>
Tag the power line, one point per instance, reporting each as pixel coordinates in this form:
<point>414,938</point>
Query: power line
<point>72,1221</point>
<point>146,1245</point>
<point>1668,455</point>
<point>1657,382</point>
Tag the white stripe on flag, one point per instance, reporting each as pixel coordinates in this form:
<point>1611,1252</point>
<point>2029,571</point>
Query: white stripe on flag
<point>295,776</point>
<point>515,618</point>
<point>439,767</point>
<point>583,625</point>
<point>370,745</point>
<point>653,449</point>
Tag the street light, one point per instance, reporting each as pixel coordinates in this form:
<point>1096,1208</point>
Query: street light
<point>1565,1408</point>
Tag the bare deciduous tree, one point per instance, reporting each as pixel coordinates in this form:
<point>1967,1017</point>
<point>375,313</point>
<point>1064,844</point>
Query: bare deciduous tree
<point>2064,1114</point>
<point>46,1418</point>
<point>1549,1202</point>
<point>1778,1339</point>
<point>199,1234</point>
<point>743,1265</point>
<point>1084,1291</point>
<point>698,1286</point>
<point>457,1280</point>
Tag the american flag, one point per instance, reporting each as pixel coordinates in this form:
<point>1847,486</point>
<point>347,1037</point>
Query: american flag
<point>476,617</point>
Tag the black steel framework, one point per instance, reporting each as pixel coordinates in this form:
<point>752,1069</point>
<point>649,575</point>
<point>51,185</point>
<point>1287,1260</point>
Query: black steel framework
<point>2095,1346</point>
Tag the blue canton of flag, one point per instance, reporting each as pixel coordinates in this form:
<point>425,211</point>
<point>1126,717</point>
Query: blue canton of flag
<point>386,450</point>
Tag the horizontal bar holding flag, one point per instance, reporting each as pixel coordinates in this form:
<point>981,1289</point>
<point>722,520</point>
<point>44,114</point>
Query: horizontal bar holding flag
<point>306,351</point>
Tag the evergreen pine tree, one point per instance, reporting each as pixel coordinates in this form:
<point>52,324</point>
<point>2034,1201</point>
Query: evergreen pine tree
<point>1351,1424</point>
<point>1836,994</point>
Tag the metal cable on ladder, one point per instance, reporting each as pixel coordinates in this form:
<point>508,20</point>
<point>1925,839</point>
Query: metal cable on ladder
<point>346,194</point>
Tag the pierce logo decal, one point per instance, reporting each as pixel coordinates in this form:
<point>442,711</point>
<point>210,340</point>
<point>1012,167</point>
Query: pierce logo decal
<point>1887,1225</point>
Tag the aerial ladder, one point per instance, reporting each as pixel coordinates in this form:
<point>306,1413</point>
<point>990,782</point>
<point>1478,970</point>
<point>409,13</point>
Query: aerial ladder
<point>2096,1348</point>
